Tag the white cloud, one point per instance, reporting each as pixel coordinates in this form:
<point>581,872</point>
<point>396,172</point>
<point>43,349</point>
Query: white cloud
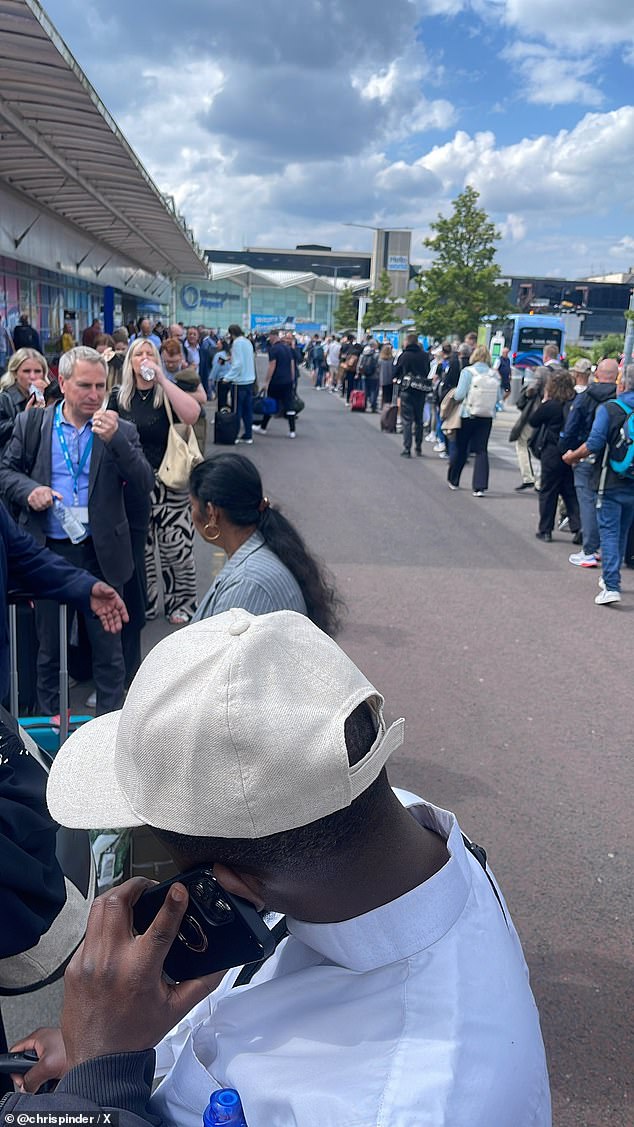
<point>574,24</point>
<point>513,229</point>
<point>551,79</point>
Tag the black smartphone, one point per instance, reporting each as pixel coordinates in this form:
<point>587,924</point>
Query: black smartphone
<point>218,931</point>
<point>18,1063</point>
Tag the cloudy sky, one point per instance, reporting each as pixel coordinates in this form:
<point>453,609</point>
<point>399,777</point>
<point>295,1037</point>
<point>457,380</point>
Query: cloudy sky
<point>274,122</point>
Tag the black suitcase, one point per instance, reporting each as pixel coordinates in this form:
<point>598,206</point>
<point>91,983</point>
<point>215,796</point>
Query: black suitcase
<point>389,416</point>
<point>226,423</point>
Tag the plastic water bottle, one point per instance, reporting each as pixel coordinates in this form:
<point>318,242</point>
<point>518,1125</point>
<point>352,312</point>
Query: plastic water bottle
<point>73,527</point>
<point>147,373</point>
<point>224,1107</point>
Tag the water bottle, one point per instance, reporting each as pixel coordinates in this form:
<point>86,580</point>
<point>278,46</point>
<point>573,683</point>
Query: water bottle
<point>37,392</point>
<point>224,1107</point>
<point>147,373</point>
<point>73,527</point>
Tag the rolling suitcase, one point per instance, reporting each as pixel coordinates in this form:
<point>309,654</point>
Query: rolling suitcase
<point>389,416</point>
<point>48,732</point>
<point>226,423</point>
<point>358,398</point>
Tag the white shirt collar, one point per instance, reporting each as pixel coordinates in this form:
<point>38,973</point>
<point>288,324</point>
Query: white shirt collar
<point>408,924</point>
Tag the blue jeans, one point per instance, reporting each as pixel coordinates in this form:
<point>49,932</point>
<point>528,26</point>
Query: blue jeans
<point>244,407</point>
<point>585,473</point>
<point>615,518</point>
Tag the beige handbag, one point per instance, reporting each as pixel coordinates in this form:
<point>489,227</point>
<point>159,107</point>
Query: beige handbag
<point>450,412</point>
<point>182,454</point>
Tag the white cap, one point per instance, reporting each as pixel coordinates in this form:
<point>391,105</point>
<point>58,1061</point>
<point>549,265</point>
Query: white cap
<point>233,727</point>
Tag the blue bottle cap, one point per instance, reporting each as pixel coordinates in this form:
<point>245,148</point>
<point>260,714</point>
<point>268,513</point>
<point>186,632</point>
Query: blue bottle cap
<point>225,1107</point>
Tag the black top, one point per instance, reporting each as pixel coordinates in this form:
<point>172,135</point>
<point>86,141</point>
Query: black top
<point>151,422</point>
<point>283,357</point>
<point>550,414</point>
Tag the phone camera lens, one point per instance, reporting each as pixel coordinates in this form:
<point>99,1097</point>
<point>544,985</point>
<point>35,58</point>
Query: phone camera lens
<point>219,912</point>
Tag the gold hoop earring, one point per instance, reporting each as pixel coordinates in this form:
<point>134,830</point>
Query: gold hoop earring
<point>211,539</point>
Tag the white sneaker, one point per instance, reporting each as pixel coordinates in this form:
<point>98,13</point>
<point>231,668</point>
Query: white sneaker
<point>443,455</point>
<point>91,701</point>
<point>258,428</point>
<point>430,438</point>
<point>291,434</point>
<point>580,559</point>
<point>438,447</point>
<point>605,597</point>
<point>245,441</point>
<point>478,493</point>
<point>602,583</point>
<point>454,487</point>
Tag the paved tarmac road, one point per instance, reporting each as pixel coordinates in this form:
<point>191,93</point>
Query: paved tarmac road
<point>516,689</point>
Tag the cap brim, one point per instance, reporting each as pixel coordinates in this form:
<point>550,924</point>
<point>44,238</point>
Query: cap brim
<point>83,792</point>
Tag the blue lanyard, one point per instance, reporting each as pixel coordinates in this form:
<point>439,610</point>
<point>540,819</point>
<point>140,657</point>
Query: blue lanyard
<point>74,473</point>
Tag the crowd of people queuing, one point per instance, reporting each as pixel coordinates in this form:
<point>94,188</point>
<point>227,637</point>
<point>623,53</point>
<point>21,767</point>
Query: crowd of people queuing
<point>85,439</point>
<point>320,838</point>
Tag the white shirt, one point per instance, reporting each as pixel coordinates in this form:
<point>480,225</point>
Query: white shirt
<point>333,352</point>
<point>416,1014</point>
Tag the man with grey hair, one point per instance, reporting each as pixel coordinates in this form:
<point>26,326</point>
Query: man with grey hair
<point>72,460</point>
<point>615,503</point>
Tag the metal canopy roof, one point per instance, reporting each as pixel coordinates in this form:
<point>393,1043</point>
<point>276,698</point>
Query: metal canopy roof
<point>282,279</point>
<point>60,147</point>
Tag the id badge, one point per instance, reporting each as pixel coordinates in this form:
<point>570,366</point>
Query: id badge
<point>81,512</point>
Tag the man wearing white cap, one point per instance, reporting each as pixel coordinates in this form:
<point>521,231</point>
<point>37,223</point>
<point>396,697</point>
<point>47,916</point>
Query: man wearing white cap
<point>400,995</point>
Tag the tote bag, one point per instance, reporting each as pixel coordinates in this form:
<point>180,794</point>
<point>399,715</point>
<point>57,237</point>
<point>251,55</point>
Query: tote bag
<point>182,454</point>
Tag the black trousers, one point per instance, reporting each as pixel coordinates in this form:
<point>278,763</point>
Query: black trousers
<point>412,405</point>
<point>135,599</point>
<point>472,437</point>
<point>107,657</point>
<point>386,392</point>
<point>284,394</point>
<point>557,481</point>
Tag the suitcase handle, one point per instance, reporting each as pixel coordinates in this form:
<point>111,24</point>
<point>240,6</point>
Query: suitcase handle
<point>63,662</point>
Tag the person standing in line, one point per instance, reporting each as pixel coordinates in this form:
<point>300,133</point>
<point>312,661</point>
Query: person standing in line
<point>386,373</point>
<point>77,453</point>
<point>67,340</point>
<point>25,336</point>
<point>412,377</point>
<point>333,356</point>
<point>241,372</point>
<point>615,495</point>
<point>556,478</point>
<point>142,401</point>
<point>90,334</point>
<point>144,332</point>
<point>578,426</point>
<point>7,347</point>
<point>503,368</point>
<point>279,383</point>
<point>191,347</point>
<point>27,370</point>
<point>475,428</point>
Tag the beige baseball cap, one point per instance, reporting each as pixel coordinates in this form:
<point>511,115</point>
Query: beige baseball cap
<point>233,727</point>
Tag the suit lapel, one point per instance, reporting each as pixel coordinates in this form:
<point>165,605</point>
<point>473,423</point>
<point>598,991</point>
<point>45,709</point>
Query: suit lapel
<point>95,460</point>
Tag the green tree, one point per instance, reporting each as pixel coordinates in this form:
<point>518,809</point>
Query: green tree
<point>611,346</point>
<point>347,310</point>
<point>461,286</point>
<point>381,304</point>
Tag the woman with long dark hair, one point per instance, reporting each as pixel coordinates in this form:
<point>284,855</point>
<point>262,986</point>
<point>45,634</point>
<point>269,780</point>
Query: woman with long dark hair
<point>557,478</point>
<point>269,567</point>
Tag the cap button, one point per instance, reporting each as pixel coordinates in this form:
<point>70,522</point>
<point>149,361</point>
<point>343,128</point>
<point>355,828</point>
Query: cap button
<point>239,626</point>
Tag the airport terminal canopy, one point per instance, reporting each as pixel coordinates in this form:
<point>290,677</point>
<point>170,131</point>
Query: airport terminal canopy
<point>60,148</point>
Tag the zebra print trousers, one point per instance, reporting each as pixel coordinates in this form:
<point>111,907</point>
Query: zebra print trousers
<point>171,534</point>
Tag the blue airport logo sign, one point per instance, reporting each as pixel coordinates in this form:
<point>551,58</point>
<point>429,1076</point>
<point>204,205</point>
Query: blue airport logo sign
<point>194,298</point>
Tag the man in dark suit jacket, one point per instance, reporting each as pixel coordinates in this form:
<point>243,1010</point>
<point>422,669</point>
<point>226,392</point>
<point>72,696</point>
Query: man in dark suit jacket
<point>82,455</point>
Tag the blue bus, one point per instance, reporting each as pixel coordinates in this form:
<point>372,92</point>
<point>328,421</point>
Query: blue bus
<point>526,335</point>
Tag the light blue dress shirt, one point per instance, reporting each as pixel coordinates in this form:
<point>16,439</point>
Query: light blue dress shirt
<point>61,480</point>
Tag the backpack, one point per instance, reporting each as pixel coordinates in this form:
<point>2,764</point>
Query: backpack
<point>368,363</point>
<point>483,394</point>
<point>621,448</point>
<point>318,354</point>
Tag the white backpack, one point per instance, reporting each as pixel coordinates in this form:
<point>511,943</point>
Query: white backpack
<point>483,394</point>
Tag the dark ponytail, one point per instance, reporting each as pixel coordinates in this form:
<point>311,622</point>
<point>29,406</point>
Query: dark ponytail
<point>233,484</point>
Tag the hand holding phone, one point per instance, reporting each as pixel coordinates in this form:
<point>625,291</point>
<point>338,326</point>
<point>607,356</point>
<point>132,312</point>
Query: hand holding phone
<point>219,930</point>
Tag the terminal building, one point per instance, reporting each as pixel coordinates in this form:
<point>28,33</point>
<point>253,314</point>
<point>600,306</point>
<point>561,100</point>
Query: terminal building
<point>85,232</point>
<point>595,306</point>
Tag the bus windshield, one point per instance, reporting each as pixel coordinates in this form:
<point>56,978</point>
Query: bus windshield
<point>533,338</point>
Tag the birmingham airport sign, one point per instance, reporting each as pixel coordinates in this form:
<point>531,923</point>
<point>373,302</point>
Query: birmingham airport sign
<point>194,298</point>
